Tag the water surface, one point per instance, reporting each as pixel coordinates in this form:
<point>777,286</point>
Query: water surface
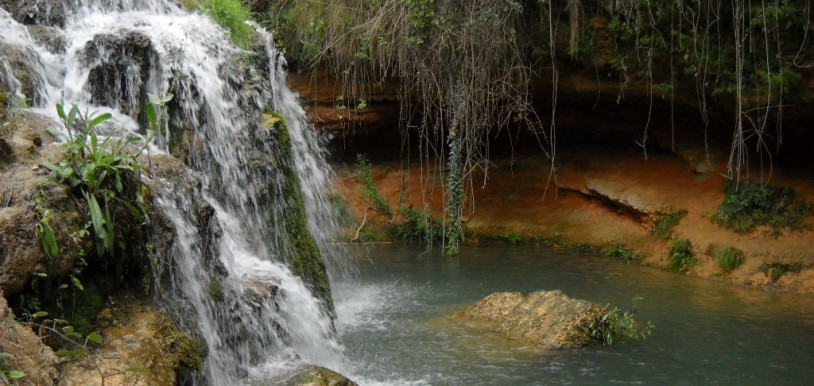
<point>396,328</point>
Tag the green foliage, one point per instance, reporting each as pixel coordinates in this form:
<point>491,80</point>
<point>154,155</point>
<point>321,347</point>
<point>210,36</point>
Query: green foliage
<point>776,270</point>
<point>418,225</point>
<point>8,375</point>
<point>748,205</point>
<point>229,14</point>
<point>681,255</point>
<point>103,173</point>
<point>663,228</point>
<point>455,192</point>
<point>620,251</point>
<point>729,258</point>
<point>615,324</point>
<point>364,175</point>
<point>512,238</point>
<point>61,334</point>
<point>45,232</point>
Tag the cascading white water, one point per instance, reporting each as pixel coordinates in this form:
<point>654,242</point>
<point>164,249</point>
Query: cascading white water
<point>107,56</point>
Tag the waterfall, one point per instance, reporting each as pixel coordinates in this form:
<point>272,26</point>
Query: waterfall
<point>232,274</point>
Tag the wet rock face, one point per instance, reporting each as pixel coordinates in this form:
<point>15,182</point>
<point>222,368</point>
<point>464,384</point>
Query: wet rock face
<point>30,355</point>
<point>546,318</point>
<point>121,66</point>
<point>21,253</point>
<point>37,11</point>
<point>17,72</point>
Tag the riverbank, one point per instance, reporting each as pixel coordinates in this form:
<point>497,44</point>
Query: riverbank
<point>608,199</point>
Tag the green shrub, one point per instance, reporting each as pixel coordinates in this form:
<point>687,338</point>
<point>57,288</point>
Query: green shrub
<point>615,324</point>
<point>681,255</point>
<point>620,251</point>
<point>663,228</point>
<point>229,14</point>
<point>729,258</point>
<point>749,205</point>
<point>776,270</point>
<point>418,225</point>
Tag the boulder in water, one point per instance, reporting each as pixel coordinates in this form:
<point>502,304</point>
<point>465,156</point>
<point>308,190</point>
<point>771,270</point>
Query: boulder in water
<point>308,375</point>
<point>546,318</point>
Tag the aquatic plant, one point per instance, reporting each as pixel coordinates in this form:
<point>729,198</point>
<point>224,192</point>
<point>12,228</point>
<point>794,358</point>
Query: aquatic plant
<point>615,324</point>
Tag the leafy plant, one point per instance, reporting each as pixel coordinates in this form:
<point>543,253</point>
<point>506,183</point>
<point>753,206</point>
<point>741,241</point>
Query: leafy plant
<point>749,205</point>
<point>364,175</point>
<point>620,251</point>
<point>664,225</point>
<point>729,258</point>
<point>102,172</point>
<point>74,345</point>
<point>776,270</point>
<point>615,324</point>
<point>681,255</point>
<point>7,374</point>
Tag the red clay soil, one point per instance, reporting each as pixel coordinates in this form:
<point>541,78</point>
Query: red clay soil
<point>603,196</point>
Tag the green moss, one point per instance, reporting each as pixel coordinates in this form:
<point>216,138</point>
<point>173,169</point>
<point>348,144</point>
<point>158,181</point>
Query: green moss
<point>729,258</point>
<point>87,304</point>
<point>216,290</point>
<point>663,228</point>
<point>305,260</point>
<point>189,352</point>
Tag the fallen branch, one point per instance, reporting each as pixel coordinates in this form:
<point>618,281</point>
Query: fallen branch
<point>362,225</point>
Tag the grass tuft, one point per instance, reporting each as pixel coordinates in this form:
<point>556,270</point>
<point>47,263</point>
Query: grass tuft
<point>229,14</point>
<point>729,258</point>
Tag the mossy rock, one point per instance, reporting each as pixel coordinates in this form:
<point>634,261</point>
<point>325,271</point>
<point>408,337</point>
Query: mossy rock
<point>305,259</point>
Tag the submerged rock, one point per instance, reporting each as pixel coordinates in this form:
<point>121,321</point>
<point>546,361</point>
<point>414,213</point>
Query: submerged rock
<point>308,375</point>
<point>546,318</point>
